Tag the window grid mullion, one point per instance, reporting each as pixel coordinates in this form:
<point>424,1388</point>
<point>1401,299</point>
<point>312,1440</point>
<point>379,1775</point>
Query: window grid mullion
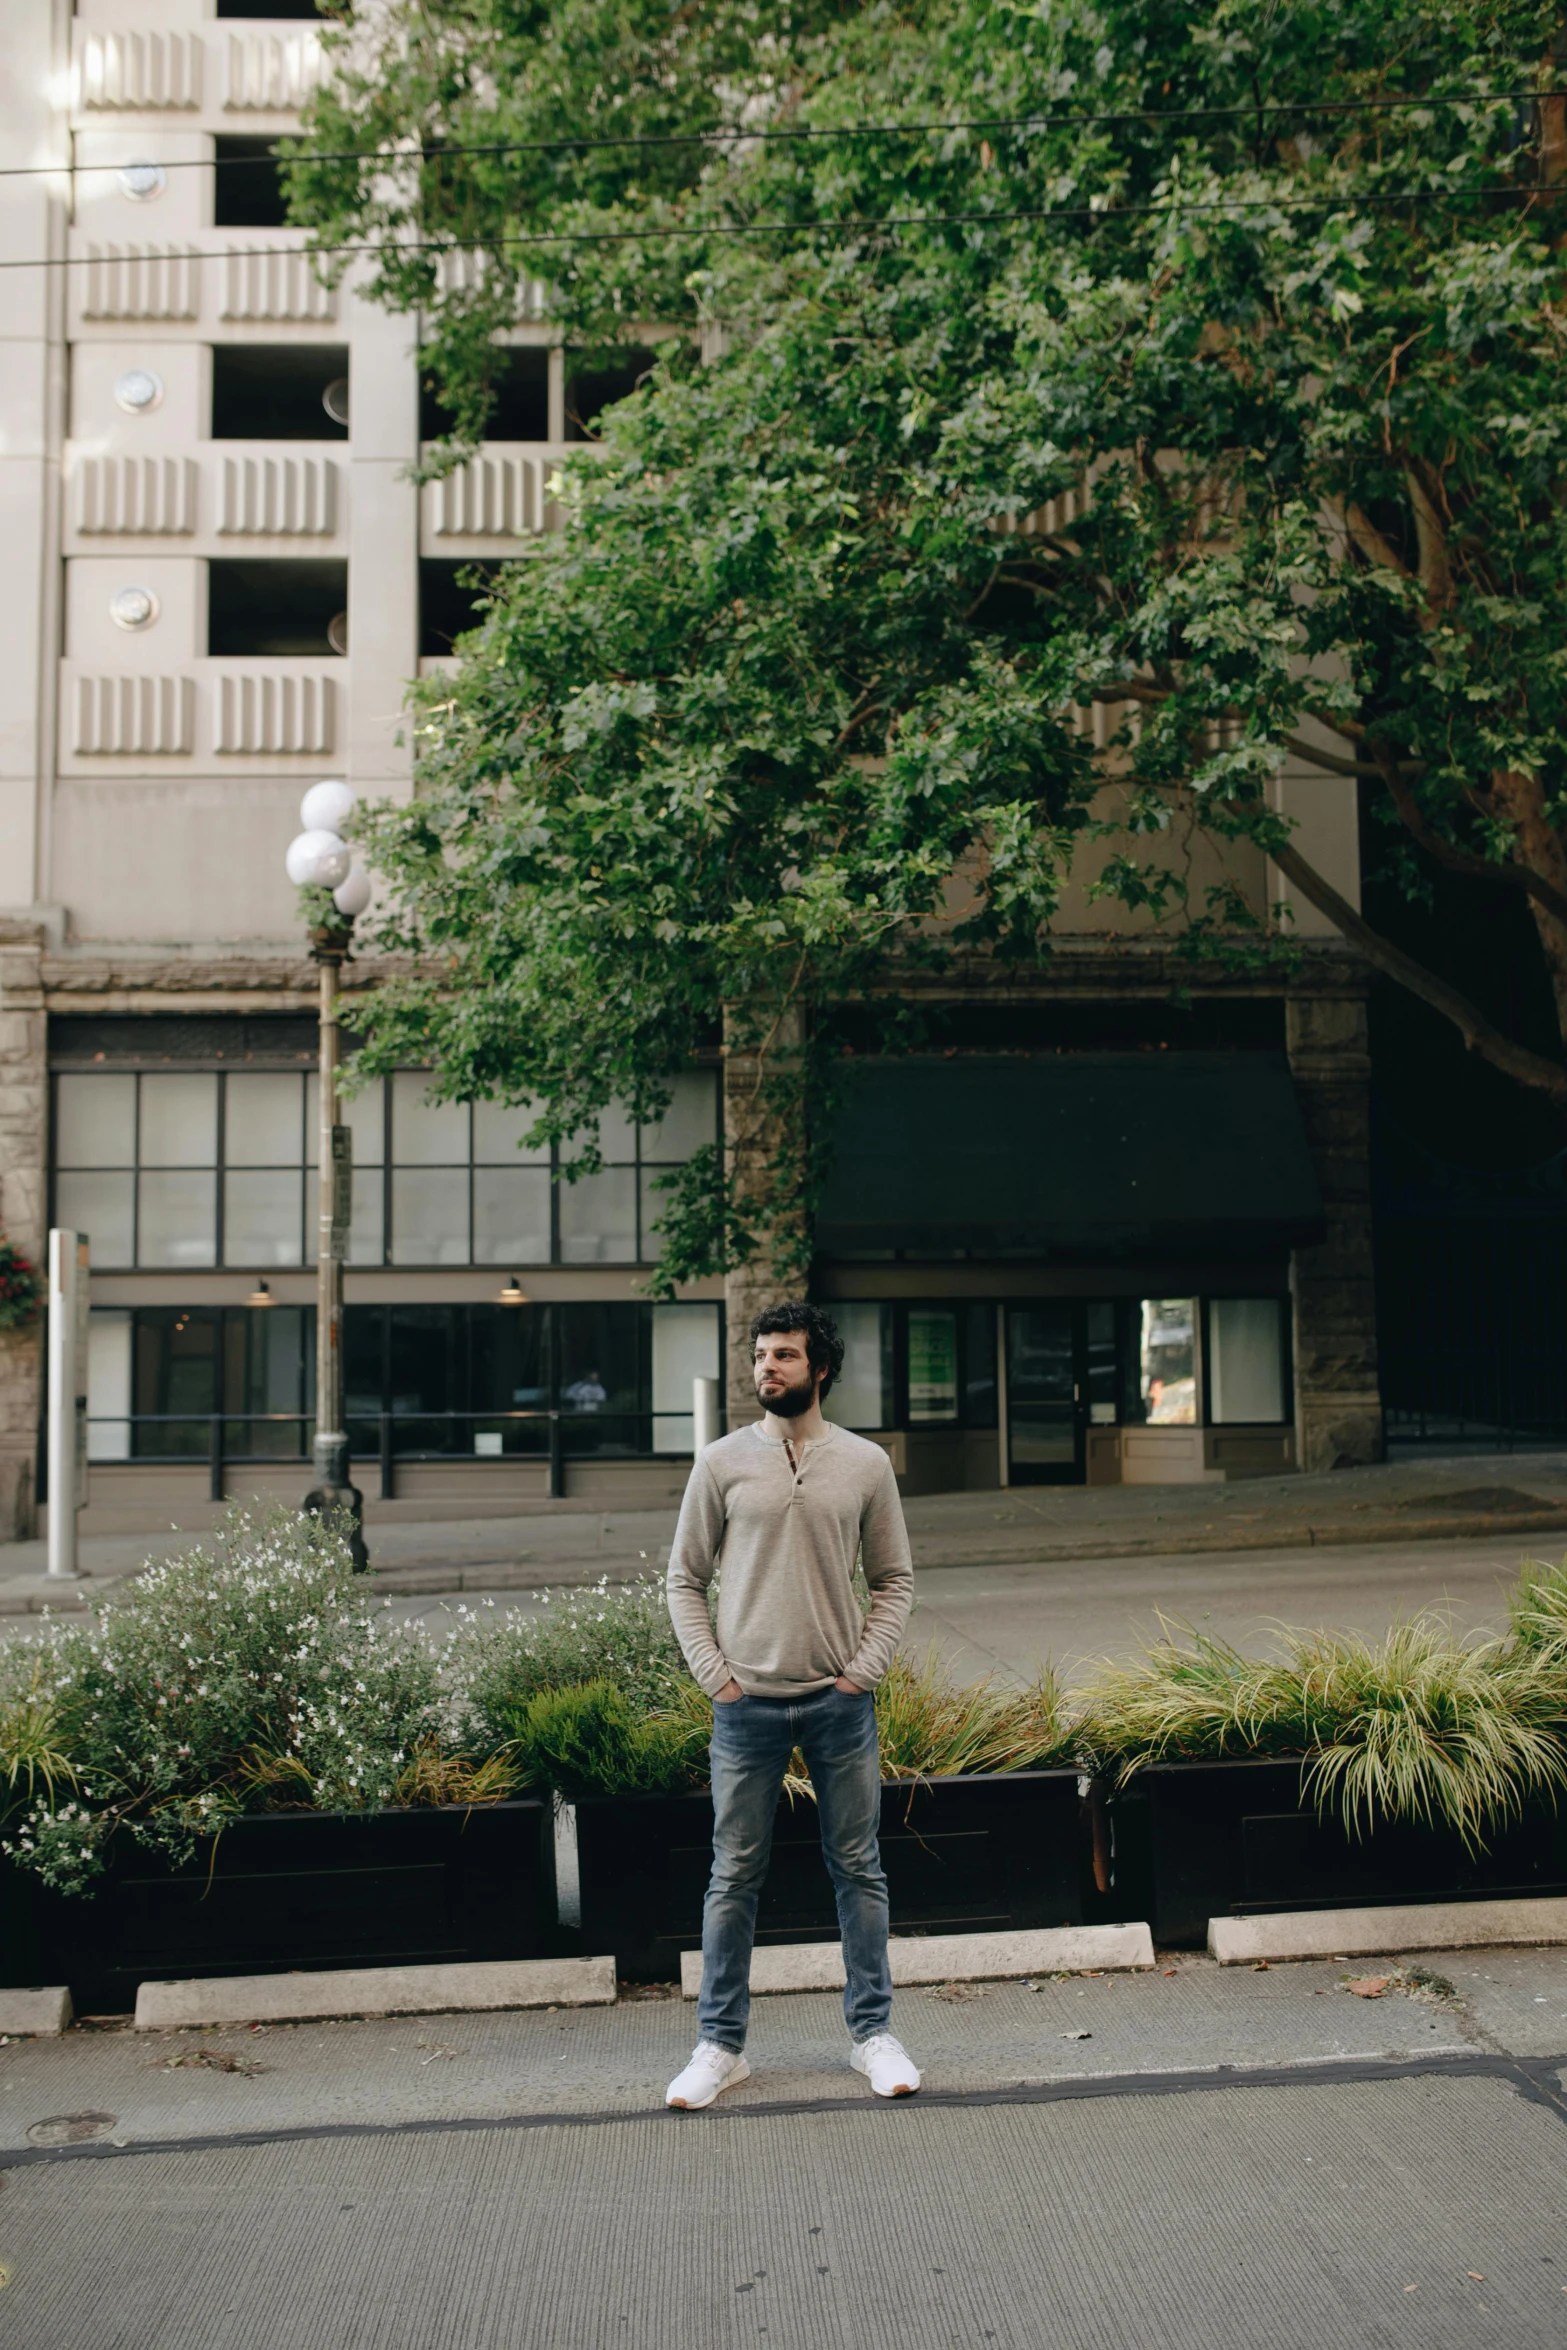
<point>136,1175</point>
<point>219,1177</point>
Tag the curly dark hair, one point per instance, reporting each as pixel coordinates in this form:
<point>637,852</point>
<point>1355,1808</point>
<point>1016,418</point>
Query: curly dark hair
<point>823,1346</point>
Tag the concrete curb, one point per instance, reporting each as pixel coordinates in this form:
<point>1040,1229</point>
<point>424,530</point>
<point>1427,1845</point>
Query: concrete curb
<point>380,1990</point>
<point>1350,1933</point>
<point>43,2014</point>
<point>944,1958</point>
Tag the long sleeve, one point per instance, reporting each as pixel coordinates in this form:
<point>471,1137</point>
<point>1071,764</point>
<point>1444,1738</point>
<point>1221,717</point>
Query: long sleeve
<point>693,1555</point>
<point>889,1573</point>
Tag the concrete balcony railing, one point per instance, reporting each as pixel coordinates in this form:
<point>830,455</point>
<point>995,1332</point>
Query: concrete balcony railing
<point>226,492</point>
<point>218,70</point>
<point>499,497</point>
<point>211,277</point>
<point>200,715</point>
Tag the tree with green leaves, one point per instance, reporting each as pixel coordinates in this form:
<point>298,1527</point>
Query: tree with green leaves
<point>1207,367</point>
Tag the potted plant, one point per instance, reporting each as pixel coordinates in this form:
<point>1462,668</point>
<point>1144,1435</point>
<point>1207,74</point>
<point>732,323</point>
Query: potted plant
<point>241,1768</point>
<point>1343,1773</point>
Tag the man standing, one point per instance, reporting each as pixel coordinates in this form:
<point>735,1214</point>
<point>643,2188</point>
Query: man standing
<point>787,1505</point>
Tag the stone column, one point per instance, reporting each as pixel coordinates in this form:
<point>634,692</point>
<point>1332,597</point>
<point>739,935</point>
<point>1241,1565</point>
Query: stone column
<point>23,1208</point>
<point>756,1134</point>
<point>1338,1405</point>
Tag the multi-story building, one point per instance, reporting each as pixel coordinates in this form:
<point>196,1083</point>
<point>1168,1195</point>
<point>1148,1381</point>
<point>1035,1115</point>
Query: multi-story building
<point>1101,1237</point>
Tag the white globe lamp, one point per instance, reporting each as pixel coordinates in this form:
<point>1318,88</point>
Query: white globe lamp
<point>326,807</point>
<point>353,895</point>
<point>318,857</point>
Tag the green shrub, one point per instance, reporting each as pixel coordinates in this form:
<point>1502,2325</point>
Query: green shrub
<point>252,1672</point>
<point>496,1659</point>
<point>1416,1726</point>
<point>590,1739</point>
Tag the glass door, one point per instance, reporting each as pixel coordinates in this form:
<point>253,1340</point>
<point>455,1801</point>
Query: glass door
<point>1044,1418</point>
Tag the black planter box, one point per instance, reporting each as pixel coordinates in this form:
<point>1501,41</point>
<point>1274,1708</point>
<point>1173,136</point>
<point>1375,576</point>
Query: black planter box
<point>286,1891</point>
<point>962,1856</point>
<point>1193,1841</point>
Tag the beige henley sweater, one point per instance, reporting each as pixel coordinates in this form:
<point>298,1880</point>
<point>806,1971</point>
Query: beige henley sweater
<point>787,1539</point>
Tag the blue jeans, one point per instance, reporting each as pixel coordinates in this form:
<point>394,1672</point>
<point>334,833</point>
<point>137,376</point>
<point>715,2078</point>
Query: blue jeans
<point>753,1738</point>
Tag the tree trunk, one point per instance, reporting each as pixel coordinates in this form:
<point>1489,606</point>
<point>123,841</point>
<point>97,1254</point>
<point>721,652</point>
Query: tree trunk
<point>759,1136</point>
<point>1518,796</point>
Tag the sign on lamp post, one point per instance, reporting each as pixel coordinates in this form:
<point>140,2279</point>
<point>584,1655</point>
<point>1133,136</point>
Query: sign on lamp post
<point>67,1432</point>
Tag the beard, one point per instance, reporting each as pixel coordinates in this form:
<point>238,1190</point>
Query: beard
<point>789,1402</point>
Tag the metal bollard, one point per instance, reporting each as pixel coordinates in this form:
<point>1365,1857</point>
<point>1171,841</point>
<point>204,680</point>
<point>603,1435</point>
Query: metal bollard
<point>705,1424</point>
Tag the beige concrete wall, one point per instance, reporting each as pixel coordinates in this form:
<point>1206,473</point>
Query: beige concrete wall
<point>33,131</point>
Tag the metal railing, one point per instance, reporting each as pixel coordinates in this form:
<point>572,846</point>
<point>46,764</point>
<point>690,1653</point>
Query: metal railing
<point>561,1436</point>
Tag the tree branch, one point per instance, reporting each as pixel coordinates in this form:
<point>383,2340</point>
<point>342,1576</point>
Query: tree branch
<point>1522,878</point>
<point>1334,765</point>
<point>1370,540</point>
<point>1436,577</point>
<point>1476,1030</point>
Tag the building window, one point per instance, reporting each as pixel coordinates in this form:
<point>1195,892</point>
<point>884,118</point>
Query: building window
<point>440,1381</point>
<point>1167,1362</point>
<point>159,1376</point>
<point>862,1394</point>
<point>196,1168</point>
<point>933,1364</point>
<point>1246,1360</point>
<point>420,1381</point>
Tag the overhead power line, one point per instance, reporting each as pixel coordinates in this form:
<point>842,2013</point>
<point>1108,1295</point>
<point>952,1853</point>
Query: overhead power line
<point>1103,213</point>
<point>739,134</point>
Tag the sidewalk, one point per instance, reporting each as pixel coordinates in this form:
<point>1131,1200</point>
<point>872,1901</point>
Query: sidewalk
<point>1508,1494</point>
<point>1198,2159</point>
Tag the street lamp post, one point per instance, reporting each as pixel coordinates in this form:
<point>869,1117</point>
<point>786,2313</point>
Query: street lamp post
<point>321,859</point>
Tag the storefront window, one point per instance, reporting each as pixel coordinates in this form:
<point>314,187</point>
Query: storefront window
<point>685,1348</point>
<point>1246,1359</point>
<point>1103,1365</point>
<point>933,1364</point>
<point>861,1396</point>
<point>979,1365</point>
<point>1167,1361</point>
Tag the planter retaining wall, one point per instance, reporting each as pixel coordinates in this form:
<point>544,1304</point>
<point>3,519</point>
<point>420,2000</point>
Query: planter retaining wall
<point>286,1890</point>
<point>966,1855</point>
<point>1194,1840</point>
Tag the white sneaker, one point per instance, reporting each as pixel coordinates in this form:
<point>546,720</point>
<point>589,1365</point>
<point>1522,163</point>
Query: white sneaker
<point>711,2068</point>
<point>886,2064</point>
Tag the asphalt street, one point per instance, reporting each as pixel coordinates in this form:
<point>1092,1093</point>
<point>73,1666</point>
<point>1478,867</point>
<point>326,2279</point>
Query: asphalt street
<point>1010,1620</point>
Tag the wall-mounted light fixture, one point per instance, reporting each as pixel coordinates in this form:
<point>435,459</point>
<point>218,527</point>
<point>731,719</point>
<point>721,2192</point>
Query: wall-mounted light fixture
<point>513,1294</point>
<point>261,1295</point>
<point>138,390</point>
<point>133,607</point>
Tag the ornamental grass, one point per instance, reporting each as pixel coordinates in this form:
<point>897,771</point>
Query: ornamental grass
<point>1416,1726</point>
<point>932,1727</point>
<point>1537,1612</point>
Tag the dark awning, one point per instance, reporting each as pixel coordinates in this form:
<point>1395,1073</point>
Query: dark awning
<point>1078,1154</point>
